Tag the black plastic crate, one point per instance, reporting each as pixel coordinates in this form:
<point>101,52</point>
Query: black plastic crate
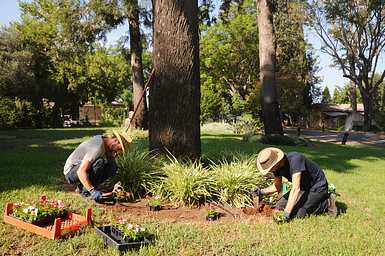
<point>114,238</point>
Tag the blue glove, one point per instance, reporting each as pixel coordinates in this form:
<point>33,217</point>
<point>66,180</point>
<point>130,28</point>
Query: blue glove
<point>256,192</point>
<point>96,195</point>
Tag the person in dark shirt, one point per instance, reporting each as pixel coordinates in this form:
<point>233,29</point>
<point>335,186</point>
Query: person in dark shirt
<point>309,193</point>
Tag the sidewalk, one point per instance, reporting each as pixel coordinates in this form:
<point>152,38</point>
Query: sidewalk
<point>367,138</point>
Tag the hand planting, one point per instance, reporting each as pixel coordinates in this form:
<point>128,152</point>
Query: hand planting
<point>123,196</point>
<point>279,217</point>
<point>43,214</point>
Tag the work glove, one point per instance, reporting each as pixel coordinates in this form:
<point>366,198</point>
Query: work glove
<point>96,195</point>
<point>281,216</point>
<point>256,192</point>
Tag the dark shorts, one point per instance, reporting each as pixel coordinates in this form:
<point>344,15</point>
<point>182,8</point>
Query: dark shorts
<point>308,203</point>
<point>100,171</point>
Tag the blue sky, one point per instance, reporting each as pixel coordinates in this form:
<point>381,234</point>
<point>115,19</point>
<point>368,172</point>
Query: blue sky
<point>9,11</point>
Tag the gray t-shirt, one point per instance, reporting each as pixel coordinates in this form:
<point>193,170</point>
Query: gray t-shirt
<point>89,150</point>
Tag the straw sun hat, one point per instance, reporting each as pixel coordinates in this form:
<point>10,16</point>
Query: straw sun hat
<point>268,158</point>
<point>123,139</point>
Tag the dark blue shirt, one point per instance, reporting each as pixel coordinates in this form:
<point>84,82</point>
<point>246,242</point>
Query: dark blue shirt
<point>312,176</point>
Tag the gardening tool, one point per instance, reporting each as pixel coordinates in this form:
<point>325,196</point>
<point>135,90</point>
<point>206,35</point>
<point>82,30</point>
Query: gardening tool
<point>118,187</point>
<point>256,200</point>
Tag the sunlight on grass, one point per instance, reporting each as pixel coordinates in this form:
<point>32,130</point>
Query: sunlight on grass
<point>32,165</point>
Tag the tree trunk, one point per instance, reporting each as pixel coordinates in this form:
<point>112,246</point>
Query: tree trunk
<point>271,116</point>
<point>353,96</point>
<point>137,70</point>
<point>368,111</point>
<point>174,102</point>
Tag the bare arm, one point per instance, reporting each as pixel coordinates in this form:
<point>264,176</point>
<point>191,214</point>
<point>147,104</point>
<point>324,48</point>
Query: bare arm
<point>83,174</point>
<point>275,187</point>
<point>294,192</point>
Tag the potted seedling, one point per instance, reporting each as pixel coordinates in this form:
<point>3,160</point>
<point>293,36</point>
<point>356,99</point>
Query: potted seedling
<point>212,215</point>
<point>123,235</point>
<point>42,214</point>
<point>155,203</point>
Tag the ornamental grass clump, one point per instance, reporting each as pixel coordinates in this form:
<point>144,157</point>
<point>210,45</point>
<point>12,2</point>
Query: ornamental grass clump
<point>187,184</point>
<point>234,180</point>
<point>138,171</point>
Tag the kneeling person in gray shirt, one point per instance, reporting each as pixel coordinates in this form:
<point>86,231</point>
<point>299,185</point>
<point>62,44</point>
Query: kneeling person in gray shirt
<point>93,162</point>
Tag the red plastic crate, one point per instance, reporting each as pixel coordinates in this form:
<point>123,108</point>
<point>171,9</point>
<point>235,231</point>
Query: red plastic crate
<point>60,227</point>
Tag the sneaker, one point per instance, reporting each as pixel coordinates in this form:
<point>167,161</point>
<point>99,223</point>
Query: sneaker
<point>79,188</point>
<point>332,208</point>
<point>85,193</point>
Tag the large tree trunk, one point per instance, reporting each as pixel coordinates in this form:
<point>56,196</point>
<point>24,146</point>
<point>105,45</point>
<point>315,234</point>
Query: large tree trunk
<point>137,70</point>
<point>271,116</point>
<point>174,104</point>
<point>353,96</point>
<point>368,111</point>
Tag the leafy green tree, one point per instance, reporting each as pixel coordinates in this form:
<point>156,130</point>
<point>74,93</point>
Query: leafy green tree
<point>229,67</point>
<point>352,34</point>
<point>326,98</point>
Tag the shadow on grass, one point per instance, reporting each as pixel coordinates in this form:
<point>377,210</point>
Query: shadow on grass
<point>341,208</point>
<point>329,156</point>
<point>34,157</point>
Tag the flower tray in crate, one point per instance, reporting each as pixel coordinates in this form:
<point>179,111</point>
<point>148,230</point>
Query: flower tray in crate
<point>60,226</point>
<point>114,238</point>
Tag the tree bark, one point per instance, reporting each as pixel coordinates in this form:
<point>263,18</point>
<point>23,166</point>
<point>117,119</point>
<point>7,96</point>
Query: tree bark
<point>271,116</point>
<point>140,119</point>
<point>353,96</point>
<point>174,102</point>
<point>368,111</point>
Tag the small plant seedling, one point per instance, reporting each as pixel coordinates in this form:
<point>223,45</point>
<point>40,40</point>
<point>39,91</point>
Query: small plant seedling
<point>155,204</point>
<point>42,214</point>
<point>212,215</point>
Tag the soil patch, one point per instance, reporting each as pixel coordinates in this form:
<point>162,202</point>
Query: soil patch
<point>169,214</point>
<point>140,211</point>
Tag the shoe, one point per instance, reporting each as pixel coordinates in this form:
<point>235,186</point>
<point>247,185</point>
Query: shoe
<point>332,208</point>
<point>85,193</point>
<point>79,188</point>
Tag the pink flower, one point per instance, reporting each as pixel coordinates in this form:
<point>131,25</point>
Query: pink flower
<point>157,197</point>
<point>60,204</point>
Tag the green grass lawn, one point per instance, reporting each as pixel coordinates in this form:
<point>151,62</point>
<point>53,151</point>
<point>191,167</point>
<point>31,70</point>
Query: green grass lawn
<point>32,161</point>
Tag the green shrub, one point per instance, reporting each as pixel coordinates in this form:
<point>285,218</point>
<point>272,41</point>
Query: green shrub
<point>250,127</point>
<point>112,116</point>
<point>139,172</point>
<point>187,183</point>
<point>234,181</point>
<point>16,113</point>
<point>8,113</point>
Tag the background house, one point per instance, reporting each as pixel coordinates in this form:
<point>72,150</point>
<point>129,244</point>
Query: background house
<point>337,116</point>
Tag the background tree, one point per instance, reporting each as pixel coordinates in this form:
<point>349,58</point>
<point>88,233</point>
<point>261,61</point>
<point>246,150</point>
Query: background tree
<point>174,97</point>
<point>136,65</point>
<point>352,33</point>
<point>296,64</point>
<point>326,97</point>
<point>271,116</point>
<point>229,68</point>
